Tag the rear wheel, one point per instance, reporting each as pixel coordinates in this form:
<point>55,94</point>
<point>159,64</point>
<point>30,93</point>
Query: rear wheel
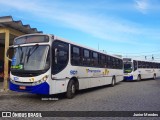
<point>71,89</point>
<point>113,82</point>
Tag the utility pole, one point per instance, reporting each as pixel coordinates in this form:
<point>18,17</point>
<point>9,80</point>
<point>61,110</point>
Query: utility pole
<point>145,57</point>
<point>152,57</point>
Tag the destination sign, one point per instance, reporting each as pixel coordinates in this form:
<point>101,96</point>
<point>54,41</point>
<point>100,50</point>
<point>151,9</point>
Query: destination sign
<point>31,39</point>
<point>126,59</point>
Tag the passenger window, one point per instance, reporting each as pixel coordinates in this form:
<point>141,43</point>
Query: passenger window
<point>95,59</point>
<point>86,57</point>
<point>109,62</point>
<point>76,56</point>
<point>102,61</point>
<point>113,62</point>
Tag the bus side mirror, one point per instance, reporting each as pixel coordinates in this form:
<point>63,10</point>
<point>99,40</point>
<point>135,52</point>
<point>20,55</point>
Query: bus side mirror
<point>7,53</point>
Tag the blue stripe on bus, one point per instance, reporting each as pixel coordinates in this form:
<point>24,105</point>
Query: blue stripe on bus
<point>128,77</point>
<point>38,89</point>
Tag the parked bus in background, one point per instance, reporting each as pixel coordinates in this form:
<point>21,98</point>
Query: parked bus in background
<point>140,69</point>
<point>46,64</point>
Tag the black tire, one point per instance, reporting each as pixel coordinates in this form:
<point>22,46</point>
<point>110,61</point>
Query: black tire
<point>139,78</point>
<point>71,89</point>
<point>154,76</point>
<point>113,82</point>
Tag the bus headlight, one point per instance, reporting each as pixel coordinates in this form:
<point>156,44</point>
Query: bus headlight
<point>42,80</point>
<point>45,78</point>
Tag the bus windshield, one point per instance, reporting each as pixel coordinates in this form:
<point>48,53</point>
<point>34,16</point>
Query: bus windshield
<point>30,58</point>
<point>127,67</point>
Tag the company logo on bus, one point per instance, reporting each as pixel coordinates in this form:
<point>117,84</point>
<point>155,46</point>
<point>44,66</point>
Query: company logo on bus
<point>93,71</point>
<point>73,72</point>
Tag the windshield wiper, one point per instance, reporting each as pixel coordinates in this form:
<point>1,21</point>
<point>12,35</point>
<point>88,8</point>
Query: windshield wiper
<point>33,50</point>
<point>21,55</point>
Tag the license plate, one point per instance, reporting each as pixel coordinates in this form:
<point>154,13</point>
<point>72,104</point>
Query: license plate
<point>22,87</point>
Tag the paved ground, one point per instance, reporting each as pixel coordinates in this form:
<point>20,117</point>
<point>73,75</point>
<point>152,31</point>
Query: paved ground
<point>126,96</point>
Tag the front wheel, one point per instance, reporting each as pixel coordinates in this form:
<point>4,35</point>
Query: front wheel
<point>71,89</point>
<point>113,82</point>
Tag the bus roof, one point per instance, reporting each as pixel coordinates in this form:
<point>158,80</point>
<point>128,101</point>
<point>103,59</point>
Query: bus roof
<point>142,60</point>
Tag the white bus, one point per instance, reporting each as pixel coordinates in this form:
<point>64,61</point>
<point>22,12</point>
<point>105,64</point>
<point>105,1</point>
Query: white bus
<point>46,64</point>
<point>140,69</point>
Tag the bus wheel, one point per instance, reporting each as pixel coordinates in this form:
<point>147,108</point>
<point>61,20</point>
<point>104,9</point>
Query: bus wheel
<point>154,76</point>
<point>113,82</point>
<point>71,89</point>
<point>139,78</point>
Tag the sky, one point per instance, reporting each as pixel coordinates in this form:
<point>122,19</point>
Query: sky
<point>130,28</point>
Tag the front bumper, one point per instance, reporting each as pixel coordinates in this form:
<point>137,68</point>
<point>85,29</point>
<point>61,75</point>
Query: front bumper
<point>128,78</point>
<point>38,89</point>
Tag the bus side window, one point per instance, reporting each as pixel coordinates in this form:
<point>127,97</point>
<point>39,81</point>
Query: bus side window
<point>157,65</point>
<point>135,65</point>
<point>113,62</point>
<point>117,64</point>
<point>147,66</point>
<point>86,57</point>
<point>139,64</point>
<point>76,56</point>
<point>95,59</point>
<point>108,58</point>
<point>152,66</point>
<point>121,64</point>
<point>102,61</point>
